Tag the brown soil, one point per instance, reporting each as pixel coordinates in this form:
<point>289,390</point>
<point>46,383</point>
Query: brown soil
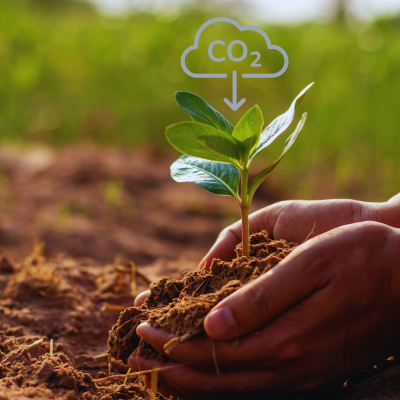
<point>97,209</point>
<point>67,300</point>
<point>179,306</point>
<point>103,202</point>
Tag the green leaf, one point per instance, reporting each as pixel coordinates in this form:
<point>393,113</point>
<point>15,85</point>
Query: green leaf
<point>247,131</point>
<point>217,178</point>
<point>201,111</point>
<point>256,182</point>
<point>279,125</point>
<point>203,141</point>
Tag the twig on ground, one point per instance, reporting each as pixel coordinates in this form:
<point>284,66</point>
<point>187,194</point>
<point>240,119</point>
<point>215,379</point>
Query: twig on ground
<point>101,357</point>
<point>35,343</point>
<point>133,278</point>
<point>112,307</point>
<point>132,374</point>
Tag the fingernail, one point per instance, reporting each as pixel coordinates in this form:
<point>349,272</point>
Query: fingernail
<point>220,323</point>
<point>142,326</point>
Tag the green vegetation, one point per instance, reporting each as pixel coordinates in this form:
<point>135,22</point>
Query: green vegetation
<point>77,76</point>
<point>219,156</point>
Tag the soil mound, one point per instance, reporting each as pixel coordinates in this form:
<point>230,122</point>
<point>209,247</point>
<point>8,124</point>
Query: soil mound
<point>179,306</point>
<point>28,371</point>
<point>74,302</point>
<point>99,202</point>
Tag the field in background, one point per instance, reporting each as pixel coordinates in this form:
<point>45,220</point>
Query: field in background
<point>72,75</point>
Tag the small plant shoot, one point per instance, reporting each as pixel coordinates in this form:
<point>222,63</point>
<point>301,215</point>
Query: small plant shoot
<point>218,156</point>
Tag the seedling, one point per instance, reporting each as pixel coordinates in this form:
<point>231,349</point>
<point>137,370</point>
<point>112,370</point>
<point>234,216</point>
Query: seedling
<point>218,156</point>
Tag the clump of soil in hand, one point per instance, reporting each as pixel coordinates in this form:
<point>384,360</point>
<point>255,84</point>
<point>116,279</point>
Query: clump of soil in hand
<point>179,306</point>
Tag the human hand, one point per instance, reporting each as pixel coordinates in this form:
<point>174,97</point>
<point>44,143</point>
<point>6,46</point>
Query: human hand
<point>329,308</point>
<point>294,221</point>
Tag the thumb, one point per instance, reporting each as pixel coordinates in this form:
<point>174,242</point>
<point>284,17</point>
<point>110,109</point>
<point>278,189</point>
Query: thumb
<point>260,301</point>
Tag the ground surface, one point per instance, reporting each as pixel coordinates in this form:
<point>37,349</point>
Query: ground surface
<point>102,203</point>
<point>96,210</point>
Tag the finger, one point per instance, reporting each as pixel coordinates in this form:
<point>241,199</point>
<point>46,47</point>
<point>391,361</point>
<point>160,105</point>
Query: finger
<point>260,301</point>
<point>251,351</point>
<point>230,237</point>
<point>140,298</point>
<point>200,385</point>
<point>156,337</point>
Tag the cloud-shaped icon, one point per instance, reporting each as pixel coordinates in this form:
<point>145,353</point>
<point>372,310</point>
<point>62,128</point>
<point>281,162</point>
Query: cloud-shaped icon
<point>241,28</point>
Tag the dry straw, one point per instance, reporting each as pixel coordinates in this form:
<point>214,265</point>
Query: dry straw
<point>35,343</point>
<point>214,354</point>
<point>133,279</point>
<point>130,375</point>
<point>126,378</point>
<point>154,383</point>
<point>112,307</point>
<point>169,346</point>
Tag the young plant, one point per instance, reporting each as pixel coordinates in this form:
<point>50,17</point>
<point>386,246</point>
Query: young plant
<point>218,156</point>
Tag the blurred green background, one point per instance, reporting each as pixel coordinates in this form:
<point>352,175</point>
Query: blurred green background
<point>71,74</point>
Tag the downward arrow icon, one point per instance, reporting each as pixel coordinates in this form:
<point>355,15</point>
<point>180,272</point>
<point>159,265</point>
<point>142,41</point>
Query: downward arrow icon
<point>234,105</point>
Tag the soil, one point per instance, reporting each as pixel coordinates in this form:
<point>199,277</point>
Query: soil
<point>96,211</point>
<point>69,301</point>
<point>179,306</point>
<point>103,202</point>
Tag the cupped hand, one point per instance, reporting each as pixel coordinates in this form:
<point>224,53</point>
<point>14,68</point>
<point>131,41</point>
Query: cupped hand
<point>293,221</point>
<point>329,308</point>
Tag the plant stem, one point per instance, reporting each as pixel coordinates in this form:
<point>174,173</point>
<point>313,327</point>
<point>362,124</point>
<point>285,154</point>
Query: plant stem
<point>244,209</point>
